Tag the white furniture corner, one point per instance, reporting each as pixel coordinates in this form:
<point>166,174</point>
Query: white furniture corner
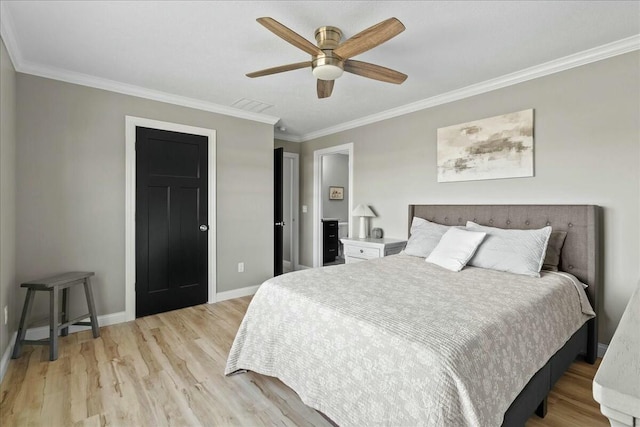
<point>616,385</point>
<point>356,250</point>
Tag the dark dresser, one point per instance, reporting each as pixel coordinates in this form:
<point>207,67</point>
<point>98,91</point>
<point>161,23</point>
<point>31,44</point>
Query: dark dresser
<point>330,240</point>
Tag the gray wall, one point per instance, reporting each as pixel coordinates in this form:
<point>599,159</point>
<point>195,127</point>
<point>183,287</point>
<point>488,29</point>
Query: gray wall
<point>7,196</point>
<point>71,186</point>
<point>335,173</point>
<point>289,147</point>
<point>587,150</point>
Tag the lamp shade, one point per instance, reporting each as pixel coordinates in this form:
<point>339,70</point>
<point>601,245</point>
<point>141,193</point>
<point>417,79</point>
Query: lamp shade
<point>363,210</point>
<point>327,72</point>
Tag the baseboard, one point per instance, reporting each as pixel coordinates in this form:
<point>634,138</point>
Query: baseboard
<point>236,293</point>
<point>602,349</point>
<point>303,267</point>
<point>120,317</point>
<point>42,332</point>
<point>286,264</point>
<point>6,356</point>
<point>104,320</point>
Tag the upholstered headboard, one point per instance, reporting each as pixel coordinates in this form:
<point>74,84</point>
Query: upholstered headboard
<point>580,254</point>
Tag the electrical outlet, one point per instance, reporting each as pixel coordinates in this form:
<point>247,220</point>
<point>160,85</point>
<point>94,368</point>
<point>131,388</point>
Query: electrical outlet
<point>304,208</point>
<point>241,267</point>
<point>6,314</point>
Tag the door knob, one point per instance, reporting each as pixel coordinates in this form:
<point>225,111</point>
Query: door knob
<point>204,227</point>
<point>281,223</point>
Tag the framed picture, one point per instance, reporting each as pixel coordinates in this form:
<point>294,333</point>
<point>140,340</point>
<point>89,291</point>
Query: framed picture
<point>493,148</point>
<point>336,193</point>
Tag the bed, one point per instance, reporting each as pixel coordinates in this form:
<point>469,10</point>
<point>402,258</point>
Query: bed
<point>399,341</point>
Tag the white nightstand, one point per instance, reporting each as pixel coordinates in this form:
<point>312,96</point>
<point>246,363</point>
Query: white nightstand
<point>616,386</point>
<point>356,250</point>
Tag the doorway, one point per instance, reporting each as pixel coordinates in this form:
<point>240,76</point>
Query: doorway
<point>131,178</point>
<point>286,207</point>
<point>290,209</point>
<point>324,205</point>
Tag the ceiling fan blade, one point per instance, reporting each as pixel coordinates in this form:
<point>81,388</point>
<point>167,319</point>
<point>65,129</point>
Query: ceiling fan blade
<point>280,69</point>
<point>369,38</point>
<point>289,36</point>
<point>325,87</point>
<point>375,72</point>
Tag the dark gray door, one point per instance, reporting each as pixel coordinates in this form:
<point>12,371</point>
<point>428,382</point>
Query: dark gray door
<point>171,220</point>
<point>278,216</point>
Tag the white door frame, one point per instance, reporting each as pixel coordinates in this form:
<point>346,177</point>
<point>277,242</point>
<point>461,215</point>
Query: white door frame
<point>317,195</point>
<point>130,204</point>
<point>295,209</point>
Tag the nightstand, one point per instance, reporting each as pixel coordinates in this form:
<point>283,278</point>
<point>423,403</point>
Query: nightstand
<point>356,250</point>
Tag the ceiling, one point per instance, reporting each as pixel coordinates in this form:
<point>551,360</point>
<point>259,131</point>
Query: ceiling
<point>200,51</point>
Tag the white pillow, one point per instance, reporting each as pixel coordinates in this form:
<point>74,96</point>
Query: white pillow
<point>425,236</point>
<point>456,248</point>
<point>514,251</point>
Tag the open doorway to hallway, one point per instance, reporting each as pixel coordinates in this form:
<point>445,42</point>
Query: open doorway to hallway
<point>290,208</point>
<point>333,189</point>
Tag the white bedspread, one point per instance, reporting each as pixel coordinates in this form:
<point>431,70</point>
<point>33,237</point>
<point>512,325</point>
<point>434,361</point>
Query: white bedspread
<point>398,341</point>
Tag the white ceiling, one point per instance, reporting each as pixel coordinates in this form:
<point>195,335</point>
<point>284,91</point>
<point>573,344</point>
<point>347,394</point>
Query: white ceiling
<point>202,50</point>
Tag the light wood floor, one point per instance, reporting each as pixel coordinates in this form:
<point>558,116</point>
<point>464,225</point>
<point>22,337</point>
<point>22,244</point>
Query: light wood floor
<point>167,369</point>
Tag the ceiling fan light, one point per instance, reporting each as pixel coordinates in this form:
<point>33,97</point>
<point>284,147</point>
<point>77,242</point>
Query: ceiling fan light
<point>327,72</point>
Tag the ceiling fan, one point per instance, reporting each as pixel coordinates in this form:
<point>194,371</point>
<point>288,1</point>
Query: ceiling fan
<point>330,58</point>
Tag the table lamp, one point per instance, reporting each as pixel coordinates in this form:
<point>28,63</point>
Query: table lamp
<point>364,212</point>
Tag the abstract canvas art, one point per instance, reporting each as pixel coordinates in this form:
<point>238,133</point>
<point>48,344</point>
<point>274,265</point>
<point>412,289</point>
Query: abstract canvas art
<point>492,148</point>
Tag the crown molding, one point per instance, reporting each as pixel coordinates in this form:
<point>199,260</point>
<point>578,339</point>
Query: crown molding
<point>22,66</point>
<point>8,35</point>
<point>599,53</point>
<point>140,92</point>
<point>285,137</point>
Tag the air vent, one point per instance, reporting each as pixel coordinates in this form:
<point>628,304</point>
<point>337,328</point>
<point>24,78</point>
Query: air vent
<point>251,105</point>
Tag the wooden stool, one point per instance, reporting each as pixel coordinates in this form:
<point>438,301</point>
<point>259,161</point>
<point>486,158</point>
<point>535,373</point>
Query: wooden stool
<point>53,285</point>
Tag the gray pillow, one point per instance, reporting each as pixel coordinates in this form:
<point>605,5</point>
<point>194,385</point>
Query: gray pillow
<point>425,236</point>
<point>554,248</point>
<point>513,251</point>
